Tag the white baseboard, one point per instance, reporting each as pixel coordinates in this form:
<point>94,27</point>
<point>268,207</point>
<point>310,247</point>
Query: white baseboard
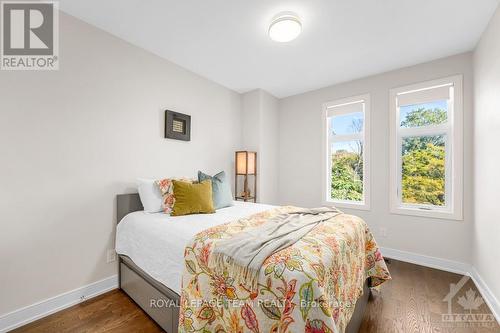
<point>449,266</point>
<point>46,307</point>
<point>427,261</point>
<point>485,291</point>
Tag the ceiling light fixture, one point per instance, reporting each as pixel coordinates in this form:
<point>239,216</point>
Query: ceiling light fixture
<point>285,27</point>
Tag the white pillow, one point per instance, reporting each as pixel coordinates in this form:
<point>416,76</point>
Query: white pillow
<point>150,195</point>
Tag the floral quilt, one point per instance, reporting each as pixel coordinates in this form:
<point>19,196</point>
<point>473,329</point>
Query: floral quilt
<point>311,286</point>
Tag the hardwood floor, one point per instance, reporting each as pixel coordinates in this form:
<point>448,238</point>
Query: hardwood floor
<point>411,303</point>
<point>110,312</point>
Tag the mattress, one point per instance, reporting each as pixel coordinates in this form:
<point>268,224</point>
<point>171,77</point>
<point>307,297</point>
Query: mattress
<point>156,242</point>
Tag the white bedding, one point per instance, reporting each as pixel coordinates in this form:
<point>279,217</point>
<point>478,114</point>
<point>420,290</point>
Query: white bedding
<point>155,242</point>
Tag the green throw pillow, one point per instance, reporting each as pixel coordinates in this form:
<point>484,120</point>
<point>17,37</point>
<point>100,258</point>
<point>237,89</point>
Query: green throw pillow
<point>221,189</point>
<point>192,198</point>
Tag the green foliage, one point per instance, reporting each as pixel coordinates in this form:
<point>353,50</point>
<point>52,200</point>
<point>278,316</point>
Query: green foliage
<point>423,117</point>
<point>423,169</point>
<point>424,175</point>
<point>347,176</point>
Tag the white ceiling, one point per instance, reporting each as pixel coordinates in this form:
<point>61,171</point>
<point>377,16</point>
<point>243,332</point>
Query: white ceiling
<point>226,40</point>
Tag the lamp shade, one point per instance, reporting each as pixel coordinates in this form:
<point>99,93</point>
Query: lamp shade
<point>246,162</point>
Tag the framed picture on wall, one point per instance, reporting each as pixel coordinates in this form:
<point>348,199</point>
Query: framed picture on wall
<point>177,126</point>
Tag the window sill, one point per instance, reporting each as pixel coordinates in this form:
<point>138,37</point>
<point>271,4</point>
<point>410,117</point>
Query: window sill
<point>347,204</point>
<point>436,214</point>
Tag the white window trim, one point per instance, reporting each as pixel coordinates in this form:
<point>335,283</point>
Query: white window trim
<point>365,135</point>
<point>454,165</point>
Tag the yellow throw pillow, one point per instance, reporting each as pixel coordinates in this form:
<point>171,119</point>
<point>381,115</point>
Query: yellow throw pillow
<point>192,198</point>
<point>167,192</point>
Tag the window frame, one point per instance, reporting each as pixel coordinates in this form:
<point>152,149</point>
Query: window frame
<point>326,151</point>
<point>453,131</point>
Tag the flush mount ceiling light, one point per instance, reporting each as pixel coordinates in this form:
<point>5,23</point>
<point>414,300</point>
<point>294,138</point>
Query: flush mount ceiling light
<point>285,27</point>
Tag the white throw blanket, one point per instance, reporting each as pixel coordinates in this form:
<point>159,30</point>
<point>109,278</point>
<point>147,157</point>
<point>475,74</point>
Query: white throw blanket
<point>246,252</point>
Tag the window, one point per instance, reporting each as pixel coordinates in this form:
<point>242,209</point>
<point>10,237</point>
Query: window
<point>346,124</point>
<point>426,154</point>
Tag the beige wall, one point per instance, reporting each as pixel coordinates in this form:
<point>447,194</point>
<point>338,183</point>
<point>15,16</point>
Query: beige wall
<point>300,179</point>
<point>269,148</point>
<point>260,133</point>
<point>486,156</point>
<point>70,140</point>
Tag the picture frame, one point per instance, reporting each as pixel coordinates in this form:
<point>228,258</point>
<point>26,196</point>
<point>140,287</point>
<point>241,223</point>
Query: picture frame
<point>177,126</point>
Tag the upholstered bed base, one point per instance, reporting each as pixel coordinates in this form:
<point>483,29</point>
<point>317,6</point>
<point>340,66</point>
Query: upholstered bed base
<point>159,301</point>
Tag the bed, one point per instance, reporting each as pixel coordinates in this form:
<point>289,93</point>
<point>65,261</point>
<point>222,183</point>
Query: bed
<point>151,249</point>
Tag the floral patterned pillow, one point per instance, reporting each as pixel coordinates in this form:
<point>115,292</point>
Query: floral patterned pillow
<point>167,191</point>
